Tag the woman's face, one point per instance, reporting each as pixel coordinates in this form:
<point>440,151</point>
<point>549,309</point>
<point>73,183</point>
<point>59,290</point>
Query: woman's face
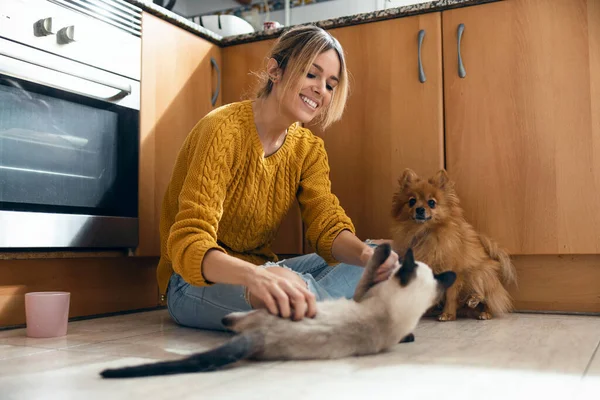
<point>316,89</point>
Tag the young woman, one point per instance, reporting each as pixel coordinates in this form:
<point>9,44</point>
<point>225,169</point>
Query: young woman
<point>236,176</point>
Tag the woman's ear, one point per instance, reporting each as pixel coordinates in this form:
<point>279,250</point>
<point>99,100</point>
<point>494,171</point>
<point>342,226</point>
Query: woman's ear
<point>273,70</point>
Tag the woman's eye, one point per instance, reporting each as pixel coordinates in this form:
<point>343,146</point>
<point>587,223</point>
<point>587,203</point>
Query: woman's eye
<point>330,88</point>
<point>431,203</point>
<point>311,76</point>
<point>412,202</point>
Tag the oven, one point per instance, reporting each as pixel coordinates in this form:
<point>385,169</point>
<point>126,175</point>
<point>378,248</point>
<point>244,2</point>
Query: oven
<point>69,124</point>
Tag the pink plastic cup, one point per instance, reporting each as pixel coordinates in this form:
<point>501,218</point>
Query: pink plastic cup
<point>47,314</point>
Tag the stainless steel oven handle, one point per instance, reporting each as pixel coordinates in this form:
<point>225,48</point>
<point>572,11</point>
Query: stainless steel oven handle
<point>123,87</point>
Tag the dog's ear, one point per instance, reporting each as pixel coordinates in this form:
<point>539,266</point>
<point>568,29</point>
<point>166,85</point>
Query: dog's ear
<point>408,177</point>
<point>442,180</point>
<point>408,269</point>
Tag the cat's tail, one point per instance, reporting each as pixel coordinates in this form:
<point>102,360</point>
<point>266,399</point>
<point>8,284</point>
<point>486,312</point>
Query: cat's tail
<point>238,348</point>
<point>509,275</point>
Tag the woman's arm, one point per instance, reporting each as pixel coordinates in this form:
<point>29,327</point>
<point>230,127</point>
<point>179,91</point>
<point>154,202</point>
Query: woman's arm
<point>321,211</point>
<point>349,249</point>
<point>219,267</point>
<point>329,229</point>
<point>280,291</point>
<point>195,197</point>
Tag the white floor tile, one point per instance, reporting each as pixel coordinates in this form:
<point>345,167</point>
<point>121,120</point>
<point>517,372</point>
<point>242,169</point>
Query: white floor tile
<point>94,331</point>
<point>594,367</point>
<point>521,356</point>
<point>8,351</point>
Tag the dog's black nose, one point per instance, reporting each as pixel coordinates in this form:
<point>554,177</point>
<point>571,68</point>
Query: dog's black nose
<point>420,211</point>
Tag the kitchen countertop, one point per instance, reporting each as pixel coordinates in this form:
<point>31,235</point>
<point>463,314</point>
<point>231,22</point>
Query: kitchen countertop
<point>70,253</point>
<point>177,19</point>
<point>390,13</point>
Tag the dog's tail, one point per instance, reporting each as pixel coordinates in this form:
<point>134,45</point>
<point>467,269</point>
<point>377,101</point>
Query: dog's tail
<point>238,348</point>
<point>509,274</point>
<point>497,298</point>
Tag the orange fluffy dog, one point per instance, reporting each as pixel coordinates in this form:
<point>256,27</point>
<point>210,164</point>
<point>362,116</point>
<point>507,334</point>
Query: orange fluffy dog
<point>428,218</point>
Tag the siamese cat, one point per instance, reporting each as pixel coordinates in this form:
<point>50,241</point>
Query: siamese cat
<point>378,317</point>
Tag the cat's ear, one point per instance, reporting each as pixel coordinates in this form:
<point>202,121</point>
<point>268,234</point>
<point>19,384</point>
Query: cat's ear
<point>446,279</point>
<point>408,270</point>
<point>367,280</point>
<point>407,178</point>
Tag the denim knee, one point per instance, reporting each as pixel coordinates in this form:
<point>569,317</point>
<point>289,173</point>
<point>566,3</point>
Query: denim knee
<point>203,307</point>
<point>311,283</point>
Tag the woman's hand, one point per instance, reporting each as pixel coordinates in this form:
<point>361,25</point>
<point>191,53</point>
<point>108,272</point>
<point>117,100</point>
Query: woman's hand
<point>282,292</point>
<point>347,248</point>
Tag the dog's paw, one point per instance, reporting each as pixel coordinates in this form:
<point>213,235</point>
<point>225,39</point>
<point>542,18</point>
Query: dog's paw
<point>408,338</point>
<point>485,316</point>
<point>474,301</point>
<point>447,317</point>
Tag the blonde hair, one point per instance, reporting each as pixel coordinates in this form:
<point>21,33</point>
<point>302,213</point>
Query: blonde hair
<point>295,52</point>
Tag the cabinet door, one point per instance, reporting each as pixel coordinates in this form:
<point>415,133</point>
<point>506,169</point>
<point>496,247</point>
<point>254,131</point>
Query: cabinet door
<point>392,120</point>
<point>240,63</point>
<point>523,125</point>
<point>178,83</point>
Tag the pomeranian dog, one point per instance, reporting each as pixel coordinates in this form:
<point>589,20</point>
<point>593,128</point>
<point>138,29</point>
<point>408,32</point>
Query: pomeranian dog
<point>427,217</point>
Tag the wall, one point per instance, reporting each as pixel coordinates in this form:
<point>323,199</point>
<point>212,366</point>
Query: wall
<point>327,10</point>
<point>196,7</point>
<point>339,8</point>
<point>299,15</point>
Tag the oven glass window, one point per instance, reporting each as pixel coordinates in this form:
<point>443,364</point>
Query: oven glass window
<point>62,152</point>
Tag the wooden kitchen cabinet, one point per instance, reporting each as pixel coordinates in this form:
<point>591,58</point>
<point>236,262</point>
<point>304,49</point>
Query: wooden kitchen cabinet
<point>240,62</point>
<point>523,125</point>
<point>179,81</point>
<point>519,133</point>
<point>392,120</point>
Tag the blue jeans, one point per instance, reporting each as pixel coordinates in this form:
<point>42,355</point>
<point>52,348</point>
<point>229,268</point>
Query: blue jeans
<point>204,307</point>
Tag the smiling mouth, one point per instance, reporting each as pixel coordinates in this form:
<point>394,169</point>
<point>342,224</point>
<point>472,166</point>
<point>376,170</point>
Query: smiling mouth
<point>313,105</point>
<point>422,220</point>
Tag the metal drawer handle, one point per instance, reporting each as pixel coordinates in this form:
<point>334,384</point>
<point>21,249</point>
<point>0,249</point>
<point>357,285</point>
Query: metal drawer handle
<point>422,77</point>
<point>461,68</point>
<point>214,98</point>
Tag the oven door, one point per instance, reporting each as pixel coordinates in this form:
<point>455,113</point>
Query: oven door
<point>68,153</point>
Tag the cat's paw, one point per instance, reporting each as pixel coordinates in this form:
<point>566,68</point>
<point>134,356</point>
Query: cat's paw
<point>484,316</point>
<point>447,317</point>
<point>408,338</point>
<point>474,301</point>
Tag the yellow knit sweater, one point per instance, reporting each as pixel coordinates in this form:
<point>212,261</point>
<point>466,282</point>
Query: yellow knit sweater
<point>224,194</point>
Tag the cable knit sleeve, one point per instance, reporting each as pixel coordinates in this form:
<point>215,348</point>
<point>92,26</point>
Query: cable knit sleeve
<point>210,154</point>
<point>321,210</point>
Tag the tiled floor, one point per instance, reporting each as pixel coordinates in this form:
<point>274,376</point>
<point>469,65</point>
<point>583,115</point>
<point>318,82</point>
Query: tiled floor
<point>518,356</point>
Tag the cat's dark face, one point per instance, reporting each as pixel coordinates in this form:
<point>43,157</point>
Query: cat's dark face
<point>414,287</point>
